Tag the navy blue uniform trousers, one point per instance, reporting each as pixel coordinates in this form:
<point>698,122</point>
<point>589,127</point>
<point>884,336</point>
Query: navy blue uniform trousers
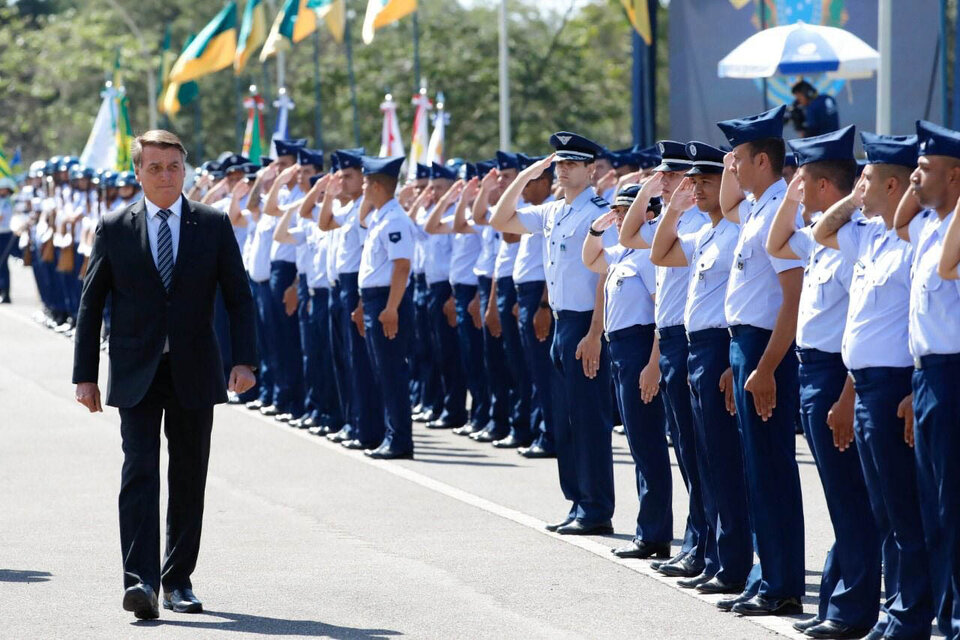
<point>676,402</point>
<point>630,350</point>
<point>937,447</point>
<point>367,406</point>
<point>727,541</point>
<point>890,471</point>
<point>770,460</point>
<point>583,428</point>
<point>470,341</point>
<point>337,344</point>
<point>266,341</point>
<point>851,572</point>
<point>518,386</point>
<point>494,367</point>
<point>426,386</point>
<point>288,361</point>
<point>390,369</point>
<point>536,357</point>
<point>446,357</point>
<point>324,387</point>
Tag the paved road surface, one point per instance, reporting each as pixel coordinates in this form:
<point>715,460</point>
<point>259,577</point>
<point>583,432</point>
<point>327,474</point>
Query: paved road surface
<point>305,539</point>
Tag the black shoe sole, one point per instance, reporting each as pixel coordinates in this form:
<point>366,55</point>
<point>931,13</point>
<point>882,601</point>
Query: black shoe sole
<point>193,607</point>
<point>138,603</point>
<point>729,590</point>
<point>786,610</point>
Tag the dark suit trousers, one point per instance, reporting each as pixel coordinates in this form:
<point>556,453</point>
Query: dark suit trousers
<point>188,445</point>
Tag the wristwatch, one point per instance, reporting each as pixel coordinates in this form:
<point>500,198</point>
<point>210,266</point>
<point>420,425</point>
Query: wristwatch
<point>594,232</point>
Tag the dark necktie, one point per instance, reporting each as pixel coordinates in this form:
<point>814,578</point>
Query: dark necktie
<point>165,249</point>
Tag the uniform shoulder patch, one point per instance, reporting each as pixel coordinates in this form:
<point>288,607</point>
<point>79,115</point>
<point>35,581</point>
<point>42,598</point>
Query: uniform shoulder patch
<point>652,221</point>
<point>861,223</point>
<point>599,201</point>
<point>394,236</point>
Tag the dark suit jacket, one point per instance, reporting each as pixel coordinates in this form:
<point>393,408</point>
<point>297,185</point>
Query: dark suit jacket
<point>143,314</point>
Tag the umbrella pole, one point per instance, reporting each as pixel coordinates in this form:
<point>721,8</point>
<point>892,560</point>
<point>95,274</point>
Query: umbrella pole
<point>884,73</point>
<point>763,25</point>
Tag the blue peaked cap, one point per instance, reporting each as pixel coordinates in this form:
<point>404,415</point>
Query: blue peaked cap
<point>881,149</point>
<point>768,124</point>
<point>936,140</point>
<point>573,146</point>
<point>706,158</point>
<point>836,145</point>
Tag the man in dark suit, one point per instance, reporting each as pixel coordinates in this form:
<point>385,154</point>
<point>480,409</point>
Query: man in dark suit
<point>161,260</point>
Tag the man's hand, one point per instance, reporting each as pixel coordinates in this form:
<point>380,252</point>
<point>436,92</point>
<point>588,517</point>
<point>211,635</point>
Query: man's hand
<point>905,411</point>
<point>763,386</point>
<point>240,189</point>
<point>653,187</point>
<point>840,421</point>
<point>795,189</point>
<point>650,382</point>
<point>474,310</point>
<point>856,196</point>
<point>324,184</point>
<point>407,195</point>
<point>289,174</point>
<point>629,178</point>
<point>541,323</point>
<point>726,388</point>
<point>605,221</point>
<point>88,394</point>
<point>492,320</point>
<point>268,172</point>
<point>471,189</point>
<point>357,316</point>
<point>588,352</point>
<point>241,379</point>
<point>389,320</point>
<point>683,196</point>
<point>290,300</point>
<point>516,310</point>
<point>607,181</point>
<point>489,182</point>
<point>450,311</point>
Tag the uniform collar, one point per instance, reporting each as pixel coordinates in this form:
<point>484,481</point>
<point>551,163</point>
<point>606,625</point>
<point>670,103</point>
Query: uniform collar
<point>581,199</point>
<point>776,189</point>
<point>384,210</point>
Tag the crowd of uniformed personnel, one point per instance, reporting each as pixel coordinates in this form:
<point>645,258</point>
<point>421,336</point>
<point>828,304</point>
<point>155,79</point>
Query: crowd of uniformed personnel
<point>709,298</point>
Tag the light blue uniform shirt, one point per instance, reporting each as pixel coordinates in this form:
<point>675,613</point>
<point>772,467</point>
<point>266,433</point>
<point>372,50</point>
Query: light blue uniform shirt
<point>420,239</point>
<point>389,238</point>
<point>825,296</point>
<point>317,242</point>
<point>629,288</point>
<point>280,252</point>
<point>753,290</point>
<point>506,258</point>
<point>570,285</point>
<point>436,249</point>
<point>709,252</point>
<point>672,282</point>
<point>489,243</point>
<point>528,266</point>
<point>876,332</point>
<point>350,245</point>
<point>934,302</point>
<point>304,251</point>
<point>333,246</point>
<point>260,248</point>
<point>463,258</point>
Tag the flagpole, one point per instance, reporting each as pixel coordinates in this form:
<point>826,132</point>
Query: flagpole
<point>265,73</point>
<point>504,71</point>
<point>198,127</point>
<point>317,113</point>
<point>416,51</point>
<point>885,71</point>
<point>637,101</point>
<point>241,125</point>
<point>353,81</point>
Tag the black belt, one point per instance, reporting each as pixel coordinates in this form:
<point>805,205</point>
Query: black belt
<point>375,291</point>
<point>707,335</point>
<point>810,356</point>
<point>534,285</point>
<point>620,334</point>
<point>568,314</point>
<point>934,359</point>
<point>745,329</point>
<point>671,332</point>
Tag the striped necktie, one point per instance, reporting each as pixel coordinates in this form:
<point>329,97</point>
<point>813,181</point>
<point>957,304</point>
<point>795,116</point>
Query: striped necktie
<point>165,249</point>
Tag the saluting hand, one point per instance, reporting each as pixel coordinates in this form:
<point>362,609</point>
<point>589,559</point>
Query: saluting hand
<point>605,221</point>
<point>726,388</point>
<point>489,182</point>
<point>856,196</point>
<point>683,196</point>
<point>407,195</point>
<point>905,411</point>
<point>795,189</point>
<point>389,320</point>
<point>763,386</point>
<point>652,187</point>
<point>471,189</point>
<point>606,181</point>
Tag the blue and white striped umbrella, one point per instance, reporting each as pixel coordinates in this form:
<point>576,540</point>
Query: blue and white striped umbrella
<point>800,49</point>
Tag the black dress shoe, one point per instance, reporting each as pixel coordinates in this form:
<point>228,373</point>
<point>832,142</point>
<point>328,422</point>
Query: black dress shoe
<point>182,601</point>
<point>283,417</point>
<point>356,444</point>
<point>695,581</point>
<point>643,550</point>
<point>803,625</point>
<point>727,604</point>
<point>427,416</point>
<point>308,423</point>
<point>656,564</point>
<point>339,436</point>
<point>386,453</point>
<point>580,528</point>
<point>467,429</point>
<point>718,586</point>
<point>535,451</point>
<point>254,405</point>
<point>686,568</point>
<point>141,599</point>
<point>510,442</point>
<point>443,424</point>
<point>764,606</point>
<point>487,435</point>
<point>269,410</point>
<point>620,430</point>
<point>833,629</point>
<point>296,423</point>
<point>556,525</point>
<point>875,634</point>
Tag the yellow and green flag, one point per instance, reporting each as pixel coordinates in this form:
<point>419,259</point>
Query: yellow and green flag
<point>253,33</point>
<point>638,12</point>
<point>177,95</point>
<point>293,23</point>
<point>380,13</point>
<point>5,170</point>
<point>334,13</point>
<point>214,48</point>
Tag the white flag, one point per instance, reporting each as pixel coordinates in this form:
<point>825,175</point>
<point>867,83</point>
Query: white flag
<point>100,152</point>
<point>435,148</point>
<point>390,143</point>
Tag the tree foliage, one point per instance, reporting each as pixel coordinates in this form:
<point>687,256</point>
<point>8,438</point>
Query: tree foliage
<point>568,69</point>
